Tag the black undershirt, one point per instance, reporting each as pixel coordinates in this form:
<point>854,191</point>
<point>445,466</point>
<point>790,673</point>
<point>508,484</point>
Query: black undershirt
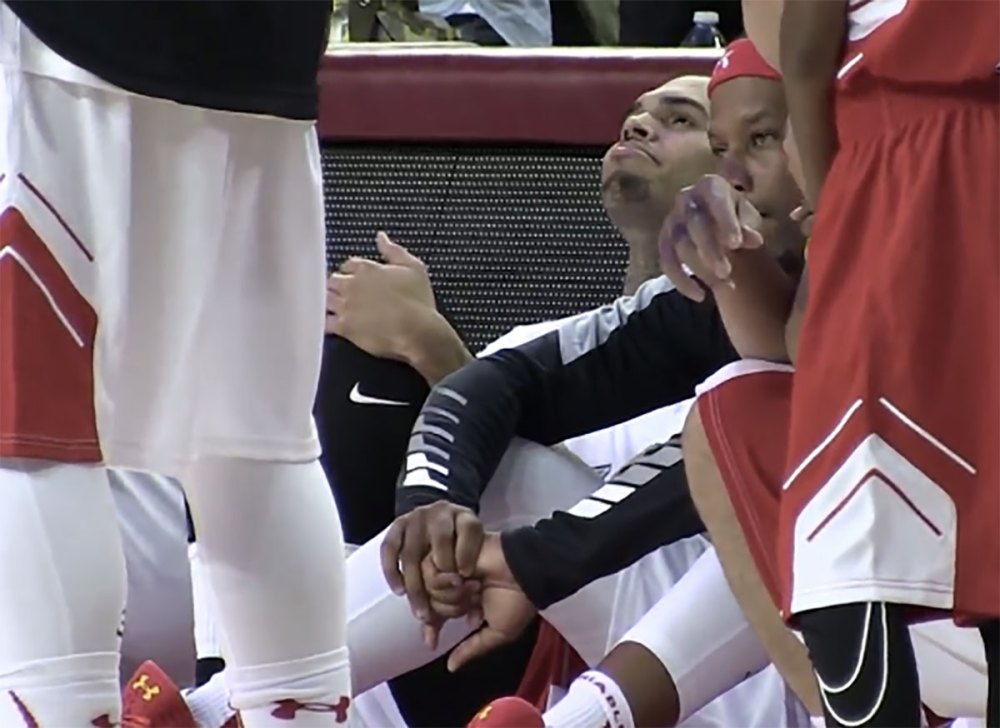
<point>257,57</point>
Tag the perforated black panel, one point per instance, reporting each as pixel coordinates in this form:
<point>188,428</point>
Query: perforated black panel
<point>511,235</point>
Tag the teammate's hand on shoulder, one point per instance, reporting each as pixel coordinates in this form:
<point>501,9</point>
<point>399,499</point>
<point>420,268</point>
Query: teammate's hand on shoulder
<point>708,221</point>
<point>451,535</point>
<point>378,306</point>
<point>506,612</point>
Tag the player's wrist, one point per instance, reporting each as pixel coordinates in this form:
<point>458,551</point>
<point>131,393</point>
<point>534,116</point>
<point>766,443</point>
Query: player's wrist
<point>492,563</point>
<point>433,347</point>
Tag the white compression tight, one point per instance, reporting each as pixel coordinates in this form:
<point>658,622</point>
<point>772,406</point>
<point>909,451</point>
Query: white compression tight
<point>62,591</point>
<point>270,538</point>
<point>384,638</point>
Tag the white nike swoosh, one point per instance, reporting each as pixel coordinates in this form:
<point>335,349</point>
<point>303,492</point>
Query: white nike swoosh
<point>358,398</point>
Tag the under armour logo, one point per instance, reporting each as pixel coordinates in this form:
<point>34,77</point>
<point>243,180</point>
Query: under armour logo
<point>148,691</point>
<point>481,715</point>
<point>287,709</point>
<point>29,720</point>
<point>723,62</point>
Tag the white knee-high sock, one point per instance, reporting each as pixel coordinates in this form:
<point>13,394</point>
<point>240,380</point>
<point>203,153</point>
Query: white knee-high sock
<point>272,545</point>
<point>594,700</point>
<point>62,591</point>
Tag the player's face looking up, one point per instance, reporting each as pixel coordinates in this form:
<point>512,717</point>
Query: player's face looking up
<point>746,133</point>
<point>663,131</point>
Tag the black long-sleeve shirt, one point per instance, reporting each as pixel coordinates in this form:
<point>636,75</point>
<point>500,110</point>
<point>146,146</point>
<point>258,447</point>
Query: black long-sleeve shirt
<point>595,370</point>
<point>651,507</point>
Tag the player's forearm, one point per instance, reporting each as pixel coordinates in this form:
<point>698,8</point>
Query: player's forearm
<point>794,325</point>
<point>762,20</point>
<point>812,37</point>
<point>560,555</point>
<point>756,308</point>
<point>435,349</point>
<point>464,428</point>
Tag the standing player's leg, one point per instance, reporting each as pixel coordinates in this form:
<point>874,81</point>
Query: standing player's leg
<point>280,590</point>
<point>864,661</point>
<point>62,575</point>
<point>384,638</point>
<point>991,641</point>
<point>63,590</point>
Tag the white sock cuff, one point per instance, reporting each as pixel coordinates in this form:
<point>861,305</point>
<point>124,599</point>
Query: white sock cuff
<point>94,667</point>
<point>613,701</point>
<point>209,704</point>
<point>594,699</point>
<point>302,679</point>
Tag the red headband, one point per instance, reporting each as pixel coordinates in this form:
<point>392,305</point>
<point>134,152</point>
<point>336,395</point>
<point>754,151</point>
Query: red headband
<point>741,59</point>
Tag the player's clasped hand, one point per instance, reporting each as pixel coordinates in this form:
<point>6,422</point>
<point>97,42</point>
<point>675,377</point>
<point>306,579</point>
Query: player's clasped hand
<point>450,535</point>
<point>709,220</point>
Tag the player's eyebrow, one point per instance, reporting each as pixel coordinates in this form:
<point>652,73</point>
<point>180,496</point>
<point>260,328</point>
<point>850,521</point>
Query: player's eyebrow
<point>668,100</point>
<point>634,109</point>
<point>759,113</point>
<point>683,101</point>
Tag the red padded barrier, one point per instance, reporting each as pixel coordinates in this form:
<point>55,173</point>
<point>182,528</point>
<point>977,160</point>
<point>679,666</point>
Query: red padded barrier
<point>559,96</point>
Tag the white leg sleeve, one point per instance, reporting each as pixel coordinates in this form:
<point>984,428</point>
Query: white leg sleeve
<point>384,639</point>
<point>952,665</point>
<point>593,619</point>
<point>698,632</point>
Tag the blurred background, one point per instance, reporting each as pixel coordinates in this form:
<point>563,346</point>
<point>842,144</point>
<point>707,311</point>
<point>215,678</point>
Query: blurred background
<point>538,23</point>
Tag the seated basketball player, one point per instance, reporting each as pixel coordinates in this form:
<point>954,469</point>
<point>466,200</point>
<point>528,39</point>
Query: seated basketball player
<point>911,483</point>
<point>670,123</point>
<point>754,137</point>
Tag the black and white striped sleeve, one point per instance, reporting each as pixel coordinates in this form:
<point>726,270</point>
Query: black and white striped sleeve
<point>645,505</point>
<point>595,370</point>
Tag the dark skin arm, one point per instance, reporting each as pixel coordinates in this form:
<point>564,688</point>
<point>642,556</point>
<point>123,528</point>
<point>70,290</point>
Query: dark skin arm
<point>795,319</point>
<point>711,231</point>
<point>811,47</point>
<point>760,297</point>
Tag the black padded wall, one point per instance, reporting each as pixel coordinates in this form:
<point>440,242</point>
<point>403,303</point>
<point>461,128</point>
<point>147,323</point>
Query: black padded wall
<point>510,234</point>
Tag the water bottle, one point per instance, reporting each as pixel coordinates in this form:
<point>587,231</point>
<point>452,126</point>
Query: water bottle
<point>705,33</point>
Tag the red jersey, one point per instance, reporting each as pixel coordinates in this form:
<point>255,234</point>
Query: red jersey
<point>921,43</point>
<point>892,480</point>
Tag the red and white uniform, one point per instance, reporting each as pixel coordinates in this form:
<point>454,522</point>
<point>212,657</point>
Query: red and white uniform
<point>152,308</point>
<point>891,490</point>
<point>745,409</point>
